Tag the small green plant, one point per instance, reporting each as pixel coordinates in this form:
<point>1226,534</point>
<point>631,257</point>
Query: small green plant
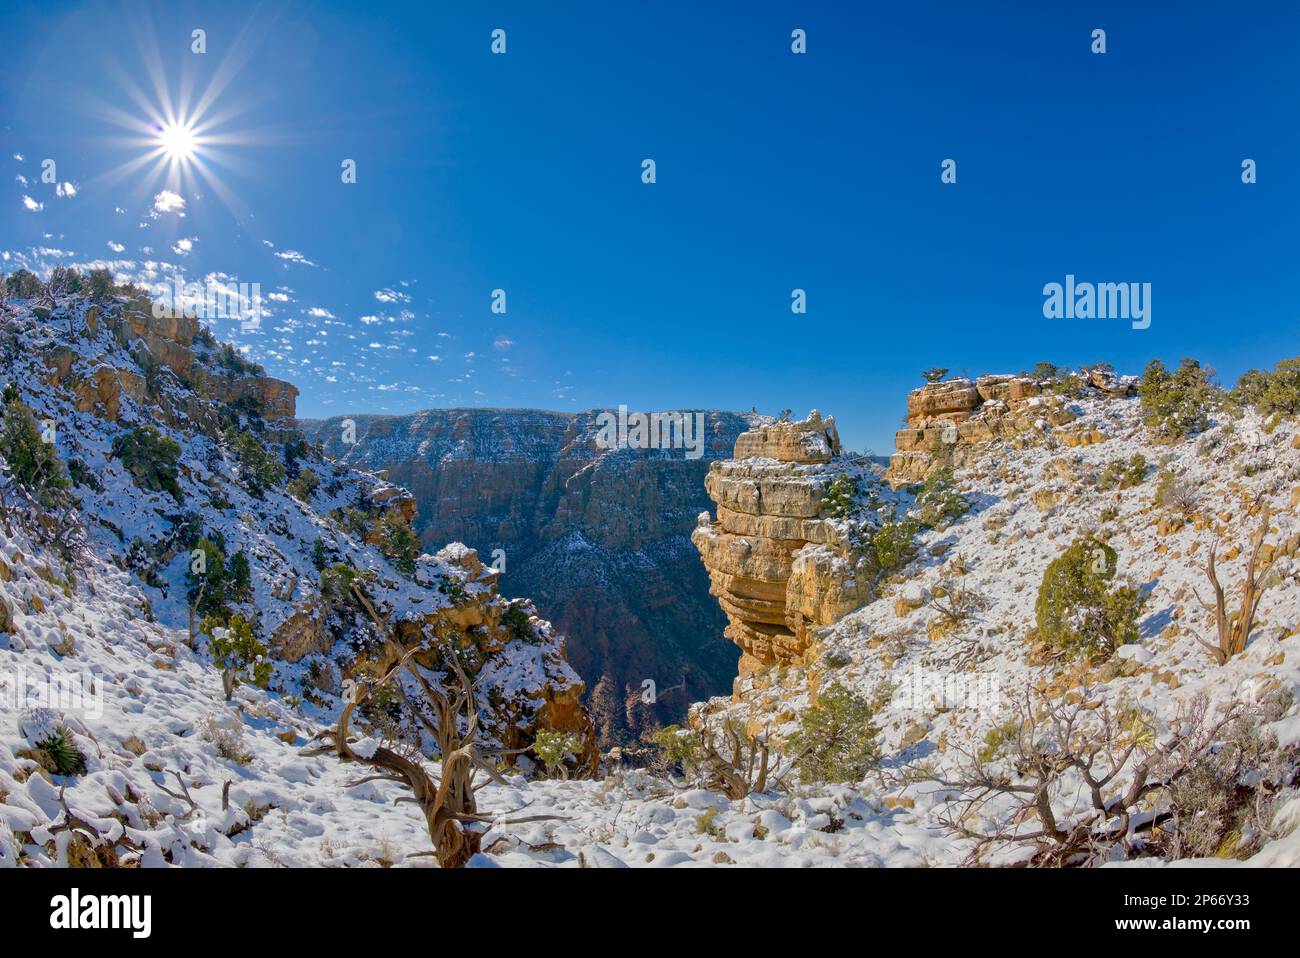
<point>1177,404</point>
<point>934,374</point>
<point>212,582</point>
<point>303,485</point>
<point>398,541</point>
<point>63,753</point>
<point>939,504</point>
<point>841,496</point>
<point>1044,372</point>
<point>151,458</point>
<point>894,544</point>
<point>1123,475</point>
<point>32,461</point>
<point>259,470</point>
<point>238,653</point>
<point>516,619</point>
<point>997,738</point>
<point>554,749</point>
<point>1077,611</point>
<point>678,748</point>
<point>836,741</point>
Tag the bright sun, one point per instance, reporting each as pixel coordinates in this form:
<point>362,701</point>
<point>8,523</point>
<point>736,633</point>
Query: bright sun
<point>177,140</point>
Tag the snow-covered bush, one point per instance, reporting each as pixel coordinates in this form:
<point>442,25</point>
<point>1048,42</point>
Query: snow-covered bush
<point>237,651</point>
<point>555,748</point>
<point>32,461</point>
<point>939,504</point>
<point>151,458</point>
<point>259,470</point>
<point>1077,611</point>
<point>398,541</point>
<point>836,740</point>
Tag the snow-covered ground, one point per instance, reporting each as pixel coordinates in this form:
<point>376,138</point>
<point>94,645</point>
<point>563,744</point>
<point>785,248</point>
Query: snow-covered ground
<point>189,780</point>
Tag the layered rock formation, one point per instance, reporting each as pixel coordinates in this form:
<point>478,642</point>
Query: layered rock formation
<point>777,564</point>
<point>598,538</point>
<point>949,420</point>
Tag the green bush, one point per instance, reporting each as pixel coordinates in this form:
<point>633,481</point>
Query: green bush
<point>1272,393</point>
<point>678,748</point>
<point>260,470</point>
<point>1124,475</point>
<point>939,504</point>
<point>398,541</point>
<point>836,741</point>
<point>1077,611</point>
<point>894,545</point>
<point>151,458</point>
<point>217,584</point>
<point>554,747</point>
<point>841,496</point>
<point>62,753</point>
<point>66,280</point>
<point>237,651</point>
<point>303,485</point>
<point>23,284</point>
<point>1177,404</point>
<point>32,461</point>
<point>101,285</point>
<point>516,619</point>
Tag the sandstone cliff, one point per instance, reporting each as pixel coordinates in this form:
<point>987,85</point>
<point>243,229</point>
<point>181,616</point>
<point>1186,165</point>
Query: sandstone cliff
<point>598,538</point>
<point>779,565</point>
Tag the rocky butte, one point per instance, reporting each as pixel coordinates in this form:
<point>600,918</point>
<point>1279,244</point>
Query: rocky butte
<point>778,565</point>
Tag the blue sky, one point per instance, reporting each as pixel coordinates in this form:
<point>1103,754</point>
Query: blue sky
<point>774,171</point>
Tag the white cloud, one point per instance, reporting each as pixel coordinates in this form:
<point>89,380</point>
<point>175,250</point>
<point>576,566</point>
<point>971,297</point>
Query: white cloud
<point>293,256</point>
<point>391,296</point>
<point>320,313</point>
<point>183,245</point>
<point>65,189</point>
<point>32,205</point>
<point>371,320</point>
<point>278,297</point>
<point>501,342</point>
<point>168,202</point>
<point>115,247</point>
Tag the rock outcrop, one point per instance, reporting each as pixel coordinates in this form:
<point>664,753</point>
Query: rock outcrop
<point>948,421</point>
<point>778,565</point>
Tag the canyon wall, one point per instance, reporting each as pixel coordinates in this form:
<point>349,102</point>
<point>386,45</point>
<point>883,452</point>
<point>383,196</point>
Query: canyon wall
<point>597,538</point>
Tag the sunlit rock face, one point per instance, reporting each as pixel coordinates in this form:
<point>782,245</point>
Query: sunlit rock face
<point>599,538</point>
<point>778,567</point>
<point>948,421</point>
